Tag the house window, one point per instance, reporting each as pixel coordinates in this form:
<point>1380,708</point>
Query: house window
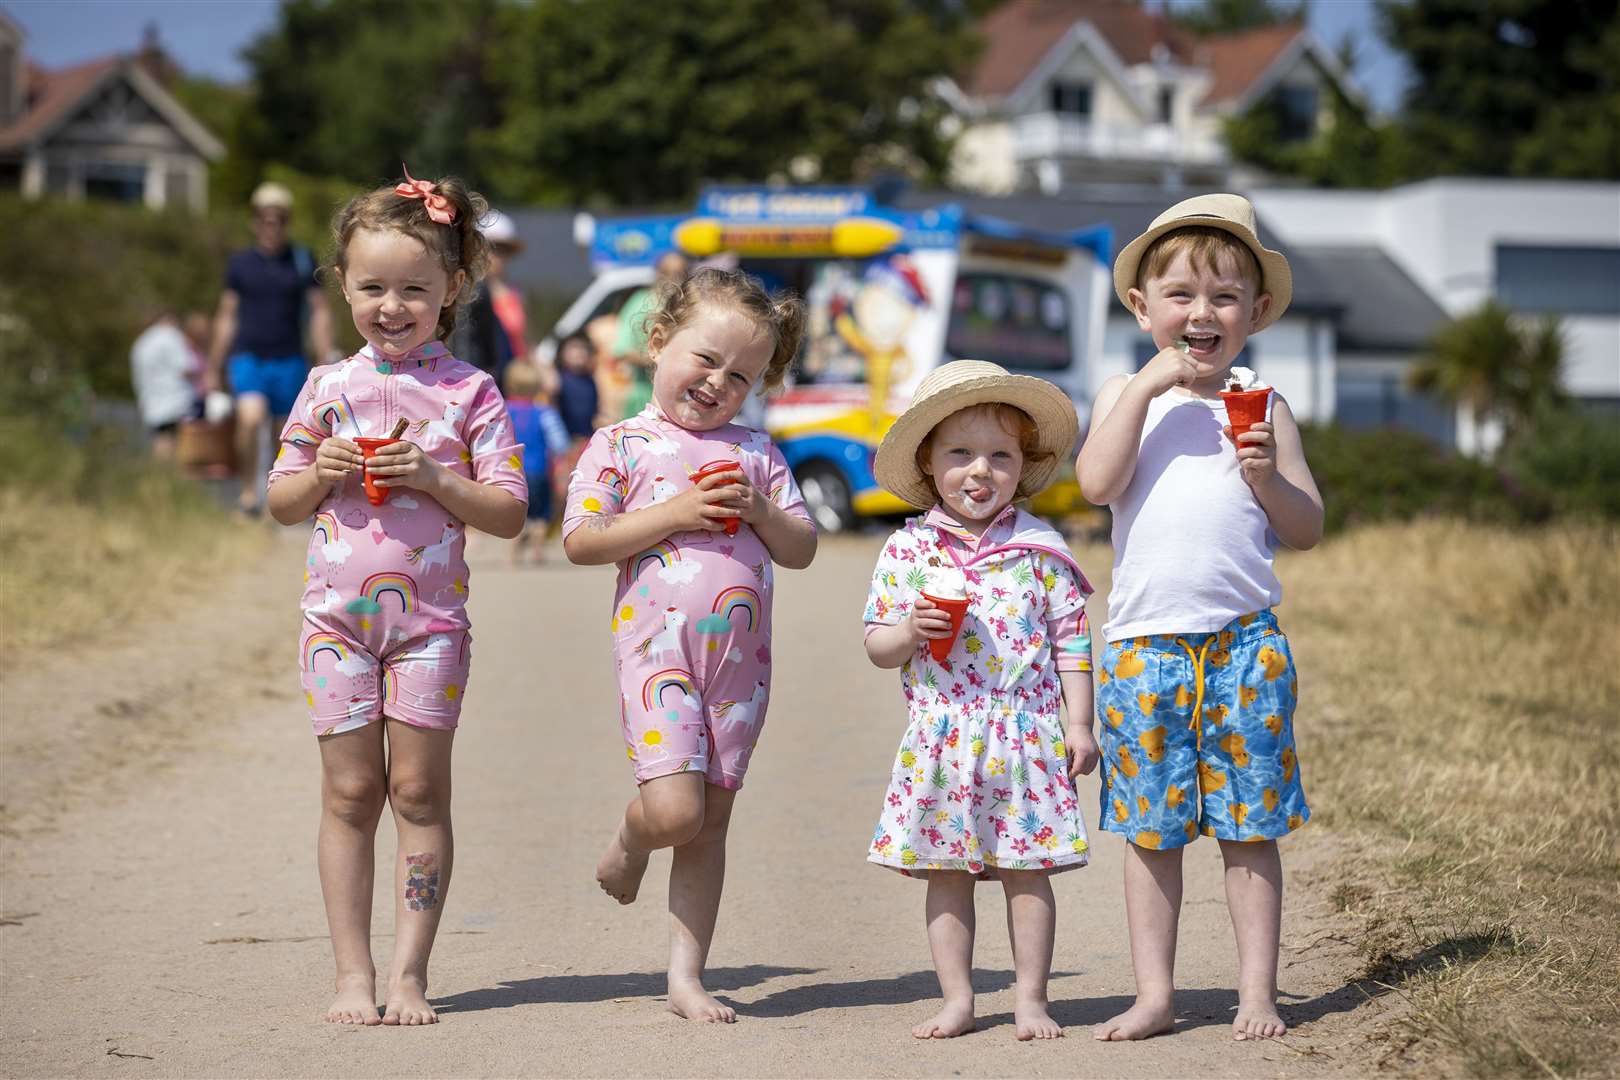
<point>114,182</point>
<point>1381,400</point>
<point>1560,280</point>
<point>1296,112</point>
<point>1167,101</point>
<point>1073,98</point>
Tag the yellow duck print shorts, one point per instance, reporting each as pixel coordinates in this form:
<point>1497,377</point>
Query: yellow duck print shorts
<point>1198,735</point>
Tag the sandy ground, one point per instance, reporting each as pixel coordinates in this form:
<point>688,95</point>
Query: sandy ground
<point>161,913</point>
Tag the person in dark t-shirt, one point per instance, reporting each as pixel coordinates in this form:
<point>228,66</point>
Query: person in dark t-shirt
<point>270,294</point>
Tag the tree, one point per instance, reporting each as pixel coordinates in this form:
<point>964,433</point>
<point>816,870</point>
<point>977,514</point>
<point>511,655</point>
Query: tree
<point>351,88</point>
<point>1510,87</point>
<point>623,102</point>
<point>1497,364</point>
<point>1225,16</point>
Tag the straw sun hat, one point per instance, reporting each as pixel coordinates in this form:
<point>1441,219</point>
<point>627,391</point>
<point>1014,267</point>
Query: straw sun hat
<point>1230,213</point>
<point>958,385</point>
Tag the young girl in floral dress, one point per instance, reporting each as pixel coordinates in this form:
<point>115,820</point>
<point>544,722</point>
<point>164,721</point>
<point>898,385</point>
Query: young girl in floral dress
<point>982,784</point>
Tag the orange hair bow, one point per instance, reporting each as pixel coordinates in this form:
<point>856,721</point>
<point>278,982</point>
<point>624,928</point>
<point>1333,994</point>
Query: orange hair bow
<point>438,207</point>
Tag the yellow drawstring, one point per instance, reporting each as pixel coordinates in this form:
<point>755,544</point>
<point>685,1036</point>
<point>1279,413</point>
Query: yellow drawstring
<point>1197,724</point>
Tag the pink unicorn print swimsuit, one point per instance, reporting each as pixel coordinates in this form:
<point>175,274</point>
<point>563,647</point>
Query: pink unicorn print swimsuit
<point>692,615</point>
<point>385,621</point>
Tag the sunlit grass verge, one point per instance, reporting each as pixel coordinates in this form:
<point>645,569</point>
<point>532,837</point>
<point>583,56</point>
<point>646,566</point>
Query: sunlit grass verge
<point>1460,715</point>
<point>94,535</point>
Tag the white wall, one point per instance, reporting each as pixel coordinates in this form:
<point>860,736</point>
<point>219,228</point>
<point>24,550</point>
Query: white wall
<point>1284,357</point>
<point>983,159</point>
<point>1444,234</point>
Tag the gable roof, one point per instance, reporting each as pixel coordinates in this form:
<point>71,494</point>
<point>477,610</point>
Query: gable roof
<point>1022,36</point>
<point>1236,61</point>
<point>55,96</point>
<point>1384,309</point>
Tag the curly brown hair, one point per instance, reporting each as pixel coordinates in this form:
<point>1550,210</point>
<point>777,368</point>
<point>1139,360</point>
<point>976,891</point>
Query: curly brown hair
<point>781,314</point>
<point>457,246</point>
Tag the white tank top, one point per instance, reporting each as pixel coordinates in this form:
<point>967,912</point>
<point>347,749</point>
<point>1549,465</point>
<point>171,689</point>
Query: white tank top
<point>1192,545</point>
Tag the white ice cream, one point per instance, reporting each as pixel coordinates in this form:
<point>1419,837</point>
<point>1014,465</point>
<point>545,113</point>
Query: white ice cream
<point>1242,378</point>
<point>947,584</point>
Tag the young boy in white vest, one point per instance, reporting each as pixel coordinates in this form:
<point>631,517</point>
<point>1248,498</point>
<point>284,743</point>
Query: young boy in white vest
<point>1196,686</point>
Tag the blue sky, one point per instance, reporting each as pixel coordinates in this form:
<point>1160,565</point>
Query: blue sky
<point>205,36</point>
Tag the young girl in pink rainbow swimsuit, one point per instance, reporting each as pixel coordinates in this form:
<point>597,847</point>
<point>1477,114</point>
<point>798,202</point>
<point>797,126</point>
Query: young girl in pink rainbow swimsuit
<point>385,645</point>
<point>692,611</point>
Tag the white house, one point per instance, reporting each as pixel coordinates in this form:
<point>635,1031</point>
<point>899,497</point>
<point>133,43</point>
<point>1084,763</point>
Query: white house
<point>1538,246</point>
<point>1101,91</point>
<point>103,129</point>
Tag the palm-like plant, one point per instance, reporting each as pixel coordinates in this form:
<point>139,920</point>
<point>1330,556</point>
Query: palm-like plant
<point>1496,362</point>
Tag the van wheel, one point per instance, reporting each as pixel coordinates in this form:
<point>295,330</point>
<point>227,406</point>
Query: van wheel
<point>826,496</point>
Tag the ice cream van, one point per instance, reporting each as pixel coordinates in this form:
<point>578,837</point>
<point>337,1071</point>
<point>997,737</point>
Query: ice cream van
<point>891,293</point>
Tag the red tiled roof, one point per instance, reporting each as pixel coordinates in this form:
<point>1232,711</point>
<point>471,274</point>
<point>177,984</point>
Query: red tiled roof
<point>1019,34</point>
<point>1236,60</point>
<point>50,94</point>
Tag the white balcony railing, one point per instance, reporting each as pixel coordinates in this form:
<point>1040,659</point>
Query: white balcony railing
<point>1038,136</point>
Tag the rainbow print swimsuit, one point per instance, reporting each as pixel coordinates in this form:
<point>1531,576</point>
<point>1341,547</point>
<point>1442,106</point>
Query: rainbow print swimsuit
<point>385,587</point>
<point>691,617</point>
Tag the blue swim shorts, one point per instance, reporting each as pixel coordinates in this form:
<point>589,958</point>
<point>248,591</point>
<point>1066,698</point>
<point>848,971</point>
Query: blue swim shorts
<point>1197,735</point>
<point>277,378</point>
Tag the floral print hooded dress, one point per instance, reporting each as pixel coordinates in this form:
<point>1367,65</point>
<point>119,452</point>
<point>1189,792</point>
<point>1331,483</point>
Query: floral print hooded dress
<point>981,778</point>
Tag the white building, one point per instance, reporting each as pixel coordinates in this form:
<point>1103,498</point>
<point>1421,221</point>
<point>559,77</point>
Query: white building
<point>1540,247</point>
<point>1102,91</point>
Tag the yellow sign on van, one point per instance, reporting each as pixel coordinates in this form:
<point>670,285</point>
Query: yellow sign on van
<point>852,238</point>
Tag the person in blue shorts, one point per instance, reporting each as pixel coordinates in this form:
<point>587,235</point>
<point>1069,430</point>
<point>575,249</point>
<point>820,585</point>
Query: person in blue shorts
<point>271,296</point>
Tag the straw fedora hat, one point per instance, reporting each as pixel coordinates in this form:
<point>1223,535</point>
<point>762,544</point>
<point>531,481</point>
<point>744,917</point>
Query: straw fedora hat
<point>957,385</point>
<point>1231,213</point>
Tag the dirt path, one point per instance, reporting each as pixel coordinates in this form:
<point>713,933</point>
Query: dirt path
<point>162,916</point>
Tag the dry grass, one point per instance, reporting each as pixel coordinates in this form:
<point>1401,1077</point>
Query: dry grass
<point>1461,706</point>
<point>74,573</point>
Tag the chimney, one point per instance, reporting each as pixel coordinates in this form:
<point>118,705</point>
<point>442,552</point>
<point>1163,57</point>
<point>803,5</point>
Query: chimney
<point>153,60</point>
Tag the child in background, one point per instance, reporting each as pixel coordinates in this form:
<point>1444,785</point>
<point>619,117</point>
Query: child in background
<point>577,398</point>
<point>692,609</point>
<point>538,429</point>
<point>386,645</point>
<point>163,370</point>
<point>982,787</point>
<point>1197,683</point>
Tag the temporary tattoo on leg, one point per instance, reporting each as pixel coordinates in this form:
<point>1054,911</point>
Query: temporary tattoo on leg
<point>421,881</point>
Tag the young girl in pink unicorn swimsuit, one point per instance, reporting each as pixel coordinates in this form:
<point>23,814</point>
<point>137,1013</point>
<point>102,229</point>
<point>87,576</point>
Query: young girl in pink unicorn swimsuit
<point>386,636</point>
<point>692,610</point>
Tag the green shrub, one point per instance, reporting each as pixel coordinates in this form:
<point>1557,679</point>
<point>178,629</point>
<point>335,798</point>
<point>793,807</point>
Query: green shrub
<point>1382,475</point>
<point>1568,460</point>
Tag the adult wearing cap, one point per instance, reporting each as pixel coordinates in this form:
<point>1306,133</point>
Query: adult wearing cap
<point>504,245</point>
<point>271,295</point>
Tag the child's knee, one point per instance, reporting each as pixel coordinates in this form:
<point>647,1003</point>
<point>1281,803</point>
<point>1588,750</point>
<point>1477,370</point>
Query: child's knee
<point>418,800</point>
<point>674,823</point>
<point>356,799</point>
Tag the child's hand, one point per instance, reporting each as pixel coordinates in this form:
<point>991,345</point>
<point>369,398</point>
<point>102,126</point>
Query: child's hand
<point>1082,748</point>
<point>927,621</point>
<point>1170,368</point>
<point>403,464</point>
<point>336,458</point>
<point>1257,454</point>
<point>705,504</point>
<point>744,497</point>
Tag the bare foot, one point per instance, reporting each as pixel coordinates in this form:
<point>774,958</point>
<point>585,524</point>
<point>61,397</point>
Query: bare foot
<point>1257,1021</point>
<point>688,1000</point>
<point>356,1001</point>
<point>619,870</point>
<point>1141,1021</point>
<point>1033,1022</point>
<point>955,1018</point>
<point>407,1003</point>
